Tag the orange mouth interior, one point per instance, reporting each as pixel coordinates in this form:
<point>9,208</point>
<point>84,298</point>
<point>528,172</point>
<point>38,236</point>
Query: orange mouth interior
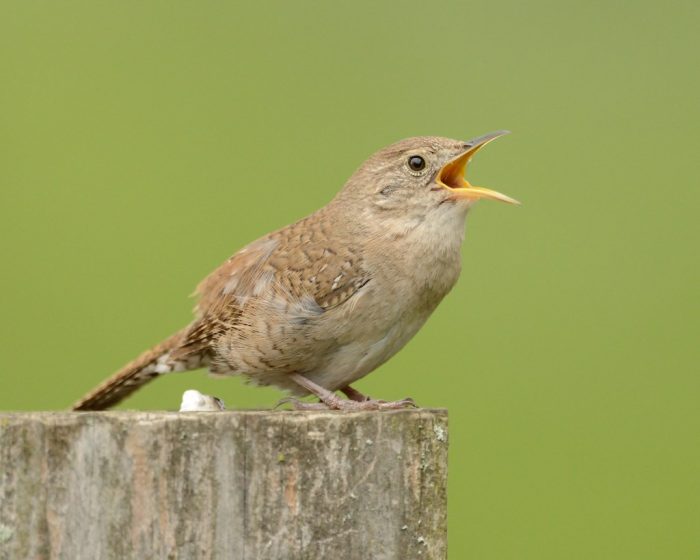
<point>452,177</point>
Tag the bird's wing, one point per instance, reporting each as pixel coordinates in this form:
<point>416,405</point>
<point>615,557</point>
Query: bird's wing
<point>223,294</point>
<point>301,276</point>
<point>239,277</point>
<point>311,268</point>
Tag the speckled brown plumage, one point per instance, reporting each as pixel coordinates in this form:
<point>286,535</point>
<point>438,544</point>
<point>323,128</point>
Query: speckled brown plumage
<point>318,304</point>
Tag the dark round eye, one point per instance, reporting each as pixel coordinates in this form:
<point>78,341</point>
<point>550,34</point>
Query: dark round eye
<point>416,163</point>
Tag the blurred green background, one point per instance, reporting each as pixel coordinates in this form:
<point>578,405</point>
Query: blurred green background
<point>143,143</point>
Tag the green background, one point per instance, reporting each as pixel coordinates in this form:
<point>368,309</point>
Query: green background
<point>143,143</point>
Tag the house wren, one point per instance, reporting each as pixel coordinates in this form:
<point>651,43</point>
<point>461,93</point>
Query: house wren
<point>315,306</point>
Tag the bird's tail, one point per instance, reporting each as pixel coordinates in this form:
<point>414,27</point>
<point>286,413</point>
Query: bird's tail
<point>160,359</point>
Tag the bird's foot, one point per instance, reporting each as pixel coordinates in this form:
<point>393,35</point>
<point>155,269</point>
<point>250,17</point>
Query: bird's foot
<point>298,404</point>
<point>347,405</point>
<point>356,401</point>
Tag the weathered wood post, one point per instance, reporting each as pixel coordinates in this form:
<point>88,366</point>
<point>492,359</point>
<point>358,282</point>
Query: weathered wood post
<point>235,485</point>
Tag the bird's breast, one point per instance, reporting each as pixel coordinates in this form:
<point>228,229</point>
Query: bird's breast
<point>429,264</point>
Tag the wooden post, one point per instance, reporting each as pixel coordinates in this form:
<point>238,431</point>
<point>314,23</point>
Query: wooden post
<point>234,485</point>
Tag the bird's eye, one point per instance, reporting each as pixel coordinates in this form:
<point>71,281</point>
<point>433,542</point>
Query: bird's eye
<point>416,163</point>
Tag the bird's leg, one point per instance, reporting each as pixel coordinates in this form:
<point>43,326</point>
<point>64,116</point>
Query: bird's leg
<point>354,394</point>
<point>328,398</point>
<point>333,401</point>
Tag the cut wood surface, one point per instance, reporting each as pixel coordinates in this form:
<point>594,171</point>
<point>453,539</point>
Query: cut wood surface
<point>235,485</point>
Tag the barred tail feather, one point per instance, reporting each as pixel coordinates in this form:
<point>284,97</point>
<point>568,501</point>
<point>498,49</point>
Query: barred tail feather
<point>147,366</point>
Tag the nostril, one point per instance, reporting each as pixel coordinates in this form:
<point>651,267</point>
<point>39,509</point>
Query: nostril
<point>467,145</point>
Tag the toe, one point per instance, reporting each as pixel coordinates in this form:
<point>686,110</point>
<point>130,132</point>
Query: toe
<point>296,404</point>
<point>395,405</point>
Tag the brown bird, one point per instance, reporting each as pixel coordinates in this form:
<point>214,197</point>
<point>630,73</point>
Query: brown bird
<point>315,306</point>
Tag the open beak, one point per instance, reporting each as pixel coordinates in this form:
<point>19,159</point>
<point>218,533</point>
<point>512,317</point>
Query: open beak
<point>452,175</point>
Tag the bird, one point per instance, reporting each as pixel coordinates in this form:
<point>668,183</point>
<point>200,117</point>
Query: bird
<point>315,306</point>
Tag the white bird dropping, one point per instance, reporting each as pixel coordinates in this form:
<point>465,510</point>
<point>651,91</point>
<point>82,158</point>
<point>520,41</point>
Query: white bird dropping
<point>194,401</point>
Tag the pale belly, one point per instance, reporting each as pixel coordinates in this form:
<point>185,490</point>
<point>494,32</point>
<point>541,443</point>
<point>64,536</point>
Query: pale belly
<point>380,328</point>
<point>356,359</point>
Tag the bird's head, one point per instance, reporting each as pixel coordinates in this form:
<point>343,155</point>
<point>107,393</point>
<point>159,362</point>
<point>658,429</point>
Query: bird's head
<point>420,177</point>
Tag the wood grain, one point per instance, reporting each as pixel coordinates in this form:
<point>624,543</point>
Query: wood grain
<point>235,485</point>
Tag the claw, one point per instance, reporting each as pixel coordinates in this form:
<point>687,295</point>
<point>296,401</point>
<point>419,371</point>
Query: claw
<point>408,402</point>
<point>285,400</point>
